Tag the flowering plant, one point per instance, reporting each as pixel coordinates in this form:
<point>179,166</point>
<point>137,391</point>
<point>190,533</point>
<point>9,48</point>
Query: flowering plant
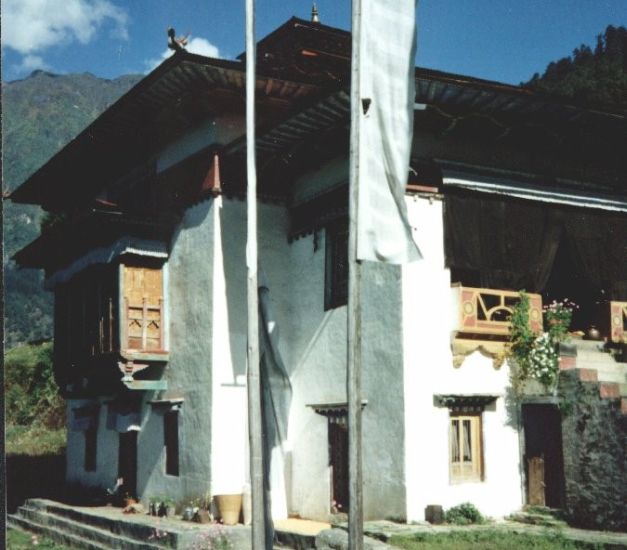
<point>557,317</point>
<point>536,356</point>
<point>543,360</point>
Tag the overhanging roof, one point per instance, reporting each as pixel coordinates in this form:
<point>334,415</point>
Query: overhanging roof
<point>59,245</point>
<point>122,133</point>
<point>109,135</point>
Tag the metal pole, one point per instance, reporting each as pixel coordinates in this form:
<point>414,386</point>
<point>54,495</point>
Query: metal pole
<point>353,375</point>
<point>253,379</point>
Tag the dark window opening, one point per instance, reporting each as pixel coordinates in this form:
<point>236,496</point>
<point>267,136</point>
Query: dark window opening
<point>86,314</point>
<point>91,447</point>
<point>336,284</point>
<point>171,442</point>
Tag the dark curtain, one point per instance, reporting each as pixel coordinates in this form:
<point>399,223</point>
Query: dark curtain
<point>501,243</point>
<point>598,241</point>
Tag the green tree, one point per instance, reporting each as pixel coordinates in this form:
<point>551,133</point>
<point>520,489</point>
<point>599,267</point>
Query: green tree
<point>595,79</point>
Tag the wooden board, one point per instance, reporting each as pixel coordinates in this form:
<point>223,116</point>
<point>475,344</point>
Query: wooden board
<point>536,481</point>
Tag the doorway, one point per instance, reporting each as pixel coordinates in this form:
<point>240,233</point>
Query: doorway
<point>127,462</point>
<point>544,463</point>
<point>338,461</point>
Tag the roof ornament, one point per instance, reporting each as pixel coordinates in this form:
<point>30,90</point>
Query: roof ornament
<point>315,18</point>
<point>176,43</point>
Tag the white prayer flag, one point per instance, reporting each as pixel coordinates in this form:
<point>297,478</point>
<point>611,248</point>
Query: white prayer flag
<point>387,49</point>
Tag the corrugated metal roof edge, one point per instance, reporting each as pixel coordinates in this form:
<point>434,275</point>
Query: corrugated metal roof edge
<point>493,85</point>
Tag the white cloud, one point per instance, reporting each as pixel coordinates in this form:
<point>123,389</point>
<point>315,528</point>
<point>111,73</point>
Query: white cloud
<point>31,62</point>
<point>198,45</point>
<point>32,26</point>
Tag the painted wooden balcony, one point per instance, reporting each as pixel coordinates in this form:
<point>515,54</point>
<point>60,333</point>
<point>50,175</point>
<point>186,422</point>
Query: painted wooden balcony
<point>618,322</point>
<point>482,320</point>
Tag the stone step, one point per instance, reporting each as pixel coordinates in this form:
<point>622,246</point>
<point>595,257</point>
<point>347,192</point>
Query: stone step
<point>126,526</point>
<point>107,528</point>
<point>108,538</point>
<point>74,541</point>
<point>616,378</point>
<point>295,541</point>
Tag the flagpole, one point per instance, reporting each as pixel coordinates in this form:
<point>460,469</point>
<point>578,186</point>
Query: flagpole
<point>253,378</point>
<point>353,375</point>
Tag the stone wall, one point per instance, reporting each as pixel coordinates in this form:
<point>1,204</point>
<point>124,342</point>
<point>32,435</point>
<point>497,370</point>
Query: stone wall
<point>594,446</point>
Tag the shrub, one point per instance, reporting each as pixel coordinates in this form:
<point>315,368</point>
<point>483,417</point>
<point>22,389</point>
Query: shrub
<point>464,514</point>
<point>31,393</point>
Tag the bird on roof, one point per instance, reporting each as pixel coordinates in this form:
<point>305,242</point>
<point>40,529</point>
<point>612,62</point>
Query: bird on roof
<point>176,43</point>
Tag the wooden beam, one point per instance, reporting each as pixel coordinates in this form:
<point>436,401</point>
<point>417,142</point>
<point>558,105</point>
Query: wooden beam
<point>353,371</point>
<point>258,535</point>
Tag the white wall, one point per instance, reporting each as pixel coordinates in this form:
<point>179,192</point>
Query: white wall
<point>428,322</point>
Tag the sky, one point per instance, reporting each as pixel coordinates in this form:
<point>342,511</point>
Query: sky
<point>503,40</point>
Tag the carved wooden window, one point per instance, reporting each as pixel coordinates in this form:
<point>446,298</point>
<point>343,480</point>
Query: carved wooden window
<point>336,283</point>
<point>465,462</point>
<point>143,306</point>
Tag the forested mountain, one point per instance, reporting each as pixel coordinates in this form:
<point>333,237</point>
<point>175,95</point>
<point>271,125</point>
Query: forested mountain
<point>41,113</point>
<point>597,78</point>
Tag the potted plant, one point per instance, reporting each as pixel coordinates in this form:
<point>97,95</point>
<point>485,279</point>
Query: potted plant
<point>167,507</point>
<point>129,500</point>
<point>154,505</point>
<point>202,506</point>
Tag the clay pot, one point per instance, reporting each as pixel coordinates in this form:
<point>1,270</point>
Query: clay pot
<point>230,507</point>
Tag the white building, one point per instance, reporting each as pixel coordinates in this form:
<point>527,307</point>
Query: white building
<point>148,271</point>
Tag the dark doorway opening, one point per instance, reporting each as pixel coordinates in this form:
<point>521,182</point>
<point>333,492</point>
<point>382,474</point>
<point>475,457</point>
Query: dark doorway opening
<point>338,460</point>
<point>567,281</point>
<point>544,462</point>
<point>127,462</point>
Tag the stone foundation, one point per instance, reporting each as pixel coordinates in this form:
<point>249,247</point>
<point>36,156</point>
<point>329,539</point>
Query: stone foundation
<point>594,446</point>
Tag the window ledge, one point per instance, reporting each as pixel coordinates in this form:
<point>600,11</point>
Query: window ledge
<point>139,355</point>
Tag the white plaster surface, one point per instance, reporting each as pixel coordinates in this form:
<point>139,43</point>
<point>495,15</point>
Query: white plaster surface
<point>428,322</point>
<point>220,129</point>
<point>407,324</point>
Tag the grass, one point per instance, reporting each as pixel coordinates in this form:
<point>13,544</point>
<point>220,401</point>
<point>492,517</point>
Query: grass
<point>34,440</point>
<point>21,540</point>
<point>487,539</point>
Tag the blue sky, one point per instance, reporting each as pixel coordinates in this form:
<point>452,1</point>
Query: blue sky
<point>505,40</point>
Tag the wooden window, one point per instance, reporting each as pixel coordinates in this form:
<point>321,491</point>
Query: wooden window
<point>336,284</point>
<point>85,315</point>
<point>91,447</point>
<point>465,448</point>
<point>143,303</point>
<point>171,442</point>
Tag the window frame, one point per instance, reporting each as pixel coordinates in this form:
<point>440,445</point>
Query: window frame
<point>471,470</point>
<point>126,265</point>
<point>336,280</point>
